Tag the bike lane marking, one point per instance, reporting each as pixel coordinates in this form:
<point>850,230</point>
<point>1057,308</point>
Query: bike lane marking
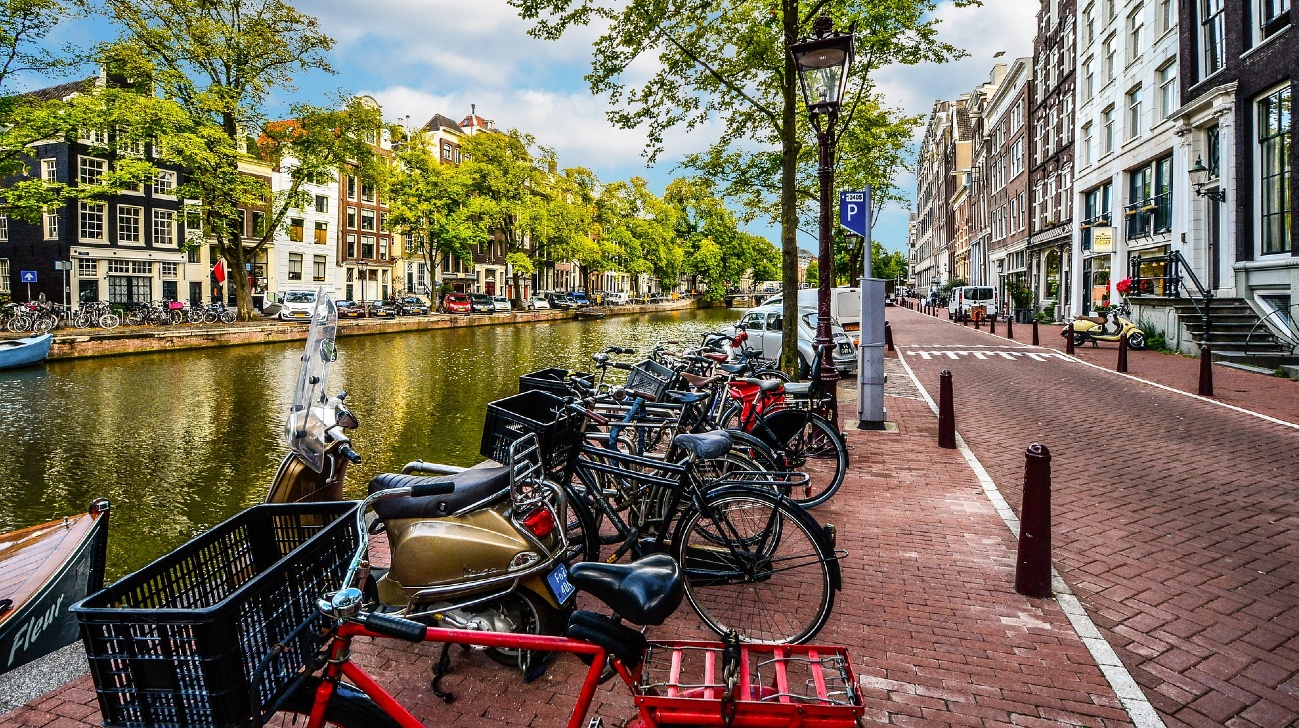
<point>1135,702</point>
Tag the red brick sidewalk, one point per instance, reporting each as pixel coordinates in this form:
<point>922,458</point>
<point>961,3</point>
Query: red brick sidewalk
<point>928,611</point>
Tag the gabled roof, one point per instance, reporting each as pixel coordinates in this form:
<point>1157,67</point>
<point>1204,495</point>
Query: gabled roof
<point>474,120</point>
<point>63,90</point>
<point>441,122</point>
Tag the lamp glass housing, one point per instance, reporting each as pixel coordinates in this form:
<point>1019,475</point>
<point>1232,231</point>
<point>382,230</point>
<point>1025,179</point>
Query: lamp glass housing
<point>823,65</point>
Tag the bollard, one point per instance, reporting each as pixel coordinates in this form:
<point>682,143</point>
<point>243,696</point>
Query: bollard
<point>888,336</point>
<point>1036,342</point>
<point>946,411</point>
<point>1068,340</point>
<point>965,320</point>
<point>1033,558</point>
<point>1123,355</point>
<point>1206,371</point>
<point>1010,327</point>
<point>977,321</point>
<point>992,325</point>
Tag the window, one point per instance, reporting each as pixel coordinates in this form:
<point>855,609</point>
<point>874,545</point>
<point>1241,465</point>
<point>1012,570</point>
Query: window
<point>93,137</point>
<point>4,229</point>
<point>87,268</point>
<point>1110,10</point>
<point>1167,76</point>
<point>367,246</point>
<point>367,219</point>
<point>1136,27</point>
<point>4,275</point>
<point>318,268</point>
<point>50,222</point>
<point>1066,115</point>
<point>168,270</point>
<point>130,224</point>
<point>1164,194</point>
<point>1017,158</point>
<point>351,246</point>
<point>367,192</point>
<point>1134,113</point>
<point>1165,15</point>
<point>1086,148</point>
<point>92,220</point>
<point>295,229</point>
<point>322,233</point>
<point>164,184</point>
<point>164,229</point>
<point>295,266</point>
<point>1089,25</point>
<point>90,170</point>
<point>1108,52</point>
<point>351,218</point>
<point>1089,79</point>
<point>50,170</point>
<point>383,248</point>
<point>383,222</point>
<point>322,203</point>
<point>192,255</point>
<point>1140,202</point>
<point>1107,130</point>
<point>259,223</point>
<point>1213,28</point>
<point>1096,211</point>
<point>1273,16</point>
<point>1274,119</point>
<point>130,148</point>
<point>351,187</point>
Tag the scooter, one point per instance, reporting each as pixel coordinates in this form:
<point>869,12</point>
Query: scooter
<point>1112,327</point>
<point>492,555</point>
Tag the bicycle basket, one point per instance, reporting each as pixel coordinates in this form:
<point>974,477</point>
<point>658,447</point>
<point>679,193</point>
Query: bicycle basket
<point>176,642</point>
<point>553,380</point>
<point>650,376</point>
<point>539,413</point>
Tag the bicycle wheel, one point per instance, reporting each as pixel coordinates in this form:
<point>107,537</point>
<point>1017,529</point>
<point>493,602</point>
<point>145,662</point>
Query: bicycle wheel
<point>44,323</point>
<point>19,323</point>
<point>81,320</point>
<point>134,318</point>
<point>807,442</point>
<point>227,316</point>
<point>348,708</point>
<point>177,316</point>
<point>771,576</point>
<point>109,321</point>
<point>209,316</point>
<point>194,315</point>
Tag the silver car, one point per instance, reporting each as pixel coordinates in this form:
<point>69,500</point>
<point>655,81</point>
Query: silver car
<point>502,304</point>
<point>764,327</point>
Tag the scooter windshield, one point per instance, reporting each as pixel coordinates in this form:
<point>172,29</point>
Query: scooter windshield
<point>310,419</point>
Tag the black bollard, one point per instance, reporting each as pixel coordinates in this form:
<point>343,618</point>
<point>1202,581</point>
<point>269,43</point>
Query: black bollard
<point>888,336</point>
<point>1036,341</point>
<point>1123,355</point>
<point>1068,340</point>
<point>965,320</point>
<point>992,325</point>
<point>977,321</point>
<point>1010,327</point>
<point>946,411</point>
<point>1206,371</point>
<point>1033,559</point>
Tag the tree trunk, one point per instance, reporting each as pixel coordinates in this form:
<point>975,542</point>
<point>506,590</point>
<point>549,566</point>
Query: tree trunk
<point>235,255</point>
<point>788,196</point>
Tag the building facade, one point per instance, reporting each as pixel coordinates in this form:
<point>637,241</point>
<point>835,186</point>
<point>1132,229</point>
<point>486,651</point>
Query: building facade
<point>1007,187</point>
<point>1049,250</point>
<point>365,245</point>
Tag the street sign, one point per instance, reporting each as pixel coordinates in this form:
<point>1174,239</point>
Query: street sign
<point>62,265</point>
<point>29,276</point>
<point>855,211</point>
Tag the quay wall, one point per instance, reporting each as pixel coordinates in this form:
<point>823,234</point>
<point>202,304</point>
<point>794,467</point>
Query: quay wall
<point>140,340</point>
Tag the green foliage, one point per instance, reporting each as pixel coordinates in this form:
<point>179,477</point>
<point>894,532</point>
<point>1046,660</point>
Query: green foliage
<point>1020,294</point>
<point>24,25</point>
<point>1046,315</point>
<point>429,203</point>
<point>1155,339</point>
<point>951,285</point>
<point>812,275</point>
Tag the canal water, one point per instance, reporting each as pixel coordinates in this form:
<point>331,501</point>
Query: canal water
<point>181,441</point>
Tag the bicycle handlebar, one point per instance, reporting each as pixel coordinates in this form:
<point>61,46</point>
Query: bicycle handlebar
<point>621,365</point>
<point>621,392</point>
<point>389,626</point>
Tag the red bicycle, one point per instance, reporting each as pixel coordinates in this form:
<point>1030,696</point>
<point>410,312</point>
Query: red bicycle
<point>673,683</point>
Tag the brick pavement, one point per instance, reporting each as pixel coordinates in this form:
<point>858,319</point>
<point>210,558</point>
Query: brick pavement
<point>1174,518</point>
<point>928,612</point>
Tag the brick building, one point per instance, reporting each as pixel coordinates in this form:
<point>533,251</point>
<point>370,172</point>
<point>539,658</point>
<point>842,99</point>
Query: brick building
<point>1007,188</point>
<point>1049,258</point>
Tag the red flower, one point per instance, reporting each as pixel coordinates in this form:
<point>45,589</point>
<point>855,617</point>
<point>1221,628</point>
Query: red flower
<point>1123,286</point>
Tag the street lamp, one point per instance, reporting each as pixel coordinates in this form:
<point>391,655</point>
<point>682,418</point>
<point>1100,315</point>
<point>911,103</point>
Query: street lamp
<point>823,63</point>
<point>1200,177</point>
<point>361,271</point>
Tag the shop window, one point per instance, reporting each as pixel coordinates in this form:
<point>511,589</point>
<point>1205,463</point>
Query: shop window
<point>87,268</point>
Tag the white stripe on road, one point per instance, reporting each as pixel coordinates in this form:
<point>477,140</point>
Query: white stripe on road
<point>1134,701</point>
<point>954,354</point>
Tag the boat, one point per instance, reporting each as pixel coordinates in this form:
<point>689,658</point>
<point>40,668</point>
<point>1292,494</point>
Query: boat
<point>590,313</point>
<point>44,570</point>
<point>21,352</point>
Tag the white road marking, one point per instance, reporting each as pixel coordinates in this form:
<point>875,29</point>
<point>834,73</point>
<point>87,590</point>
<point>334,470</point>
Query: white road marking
<point>955,354</point>
<point>1134,701</point>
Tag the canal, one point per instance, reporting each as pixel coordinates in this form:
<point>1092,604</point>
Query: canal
<point>181,441</point>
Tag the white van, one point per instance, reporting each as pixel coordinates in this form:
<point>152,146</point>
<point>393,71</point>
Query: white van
<point>966,300</point>
<point>298,305</point>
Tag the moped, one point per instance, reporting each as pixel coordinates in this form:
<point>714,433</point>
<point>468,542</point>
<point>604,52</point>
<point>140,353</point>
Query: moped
<point>1111,327</point>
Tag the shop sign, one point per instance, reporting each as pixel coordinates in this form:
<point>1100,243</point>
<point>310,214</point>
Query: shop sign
<point>1102,240</point>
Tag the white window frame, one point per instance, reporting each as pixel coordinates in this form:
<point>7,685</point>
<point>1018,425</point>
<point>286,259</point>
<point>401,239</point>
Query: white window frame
<point>87,268</point>
<point>4,275</point>
<point>4,228</point>
<point>164,184</point>
<point>50,169</point>
<point>319,267</point>
<point>93,137</point>
<point>50,225</point>
<point>1166,77</point>
<point>1107,130</point>
<point>84,218</point>
<point>130,225</point>
<point>1109,49</point>
<point>1136,29</point>
<point>164,228</point>
<point>1133,100</point>
<point>85,170</point>
<point>1165,15</point>
<point>1085,145</point>
<point>295,267</point>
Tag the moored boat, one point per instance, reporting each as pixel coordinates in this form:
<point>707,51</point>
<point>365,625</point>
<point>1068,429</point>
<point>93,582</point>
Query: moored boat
<point>21,352</point>
<point>590,313</point>
<point>44,570</point>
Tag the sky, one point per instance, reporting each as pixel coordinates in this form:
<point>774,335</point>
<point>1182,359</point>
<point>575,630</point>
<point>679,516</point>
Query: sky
<point>424,57</point>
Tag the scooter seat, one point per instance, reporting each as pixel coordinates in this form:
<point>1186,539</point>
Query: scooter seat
<point>476,485</point>
<point>1098,320</point>
<point>765,385</point>
<point>644,592</point>
<point>705,445</point>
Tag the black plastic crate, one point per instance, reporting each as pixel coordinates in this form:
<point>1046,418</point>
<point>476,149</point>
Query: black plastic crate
<point>650,376</point>
<point>176,643</point>
<point>553,380</point>
<point>543,414</point>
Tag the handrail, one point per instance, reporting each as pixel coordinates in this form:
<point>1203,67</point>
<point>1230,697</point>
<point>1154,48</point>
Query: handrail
<point>1288,323</point>
<point>1178,263</point>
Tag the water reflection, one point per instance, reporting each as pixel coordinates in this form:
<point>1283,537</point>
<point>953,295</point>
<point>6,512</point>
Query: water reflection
<point>181,441</point>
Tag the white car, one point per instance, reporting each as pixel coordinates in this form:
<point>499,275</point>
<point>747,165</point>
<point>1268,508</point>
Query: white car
<point>537,303</point>
<point>617,298</point>
<point>502,304</point>
<point>297,306</point>
<point>763,324</point>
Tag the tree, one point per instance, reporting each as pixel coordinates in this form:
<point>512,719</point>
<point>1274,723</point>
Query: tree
<point>812,274</point>
<point>220,61</point>
<point>730,61</point>
<point>24,24</point>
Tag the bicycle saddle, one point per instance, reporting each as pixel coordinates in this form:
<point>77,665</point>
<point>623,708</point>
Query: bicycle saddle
<point>766,385</point>
<point>645,592</point>
<point>733,368</point>
<point>715,356</point>
<point>798,389</point>
<point>683,397</point>
<point>706,445</point>
<point>472,486</point>
<point>699,382</point>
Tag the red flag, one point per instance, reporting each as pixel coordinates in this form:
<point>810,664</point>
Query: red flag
<point>219,271</point>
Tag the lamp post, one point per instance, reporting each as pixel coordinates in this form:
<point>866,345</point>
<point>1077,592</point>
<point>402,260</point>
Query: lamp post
<point>823,63</point>
<point>361,272</point>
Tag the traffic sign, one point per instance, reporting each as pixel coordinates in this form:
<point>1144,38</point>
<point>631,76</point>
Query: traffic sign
<point>855,211</point>
<point>29,276</point>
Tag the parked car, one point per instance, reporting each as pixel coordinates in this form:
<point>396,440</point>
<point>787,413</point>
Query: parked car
<point>350,309</point>
<point>482,303</point>
<point>763,324</point>
<point>537,303</point>
<point>297,305</point>
<point>560,300</point>
<point>580,299</point>
<point>617,298</point>
<point>502,304</point>
<point>456,303</point>
<point>845,307</point>
<point>412,306</point>
<point>382,309</point>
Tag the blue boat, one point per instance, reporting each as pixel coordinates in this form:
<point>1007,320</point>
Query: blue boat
<point>21,352</point>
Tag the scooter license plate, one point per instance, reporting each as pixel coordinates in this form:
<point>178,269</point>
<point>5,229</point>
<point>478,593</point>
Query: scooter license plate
<point>557,580</point>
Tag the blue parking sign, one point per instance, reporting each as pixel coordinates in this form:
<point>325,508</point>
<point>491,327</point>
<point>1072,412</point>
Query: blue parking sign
<point>28,276</point>
<point>855,211</point>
